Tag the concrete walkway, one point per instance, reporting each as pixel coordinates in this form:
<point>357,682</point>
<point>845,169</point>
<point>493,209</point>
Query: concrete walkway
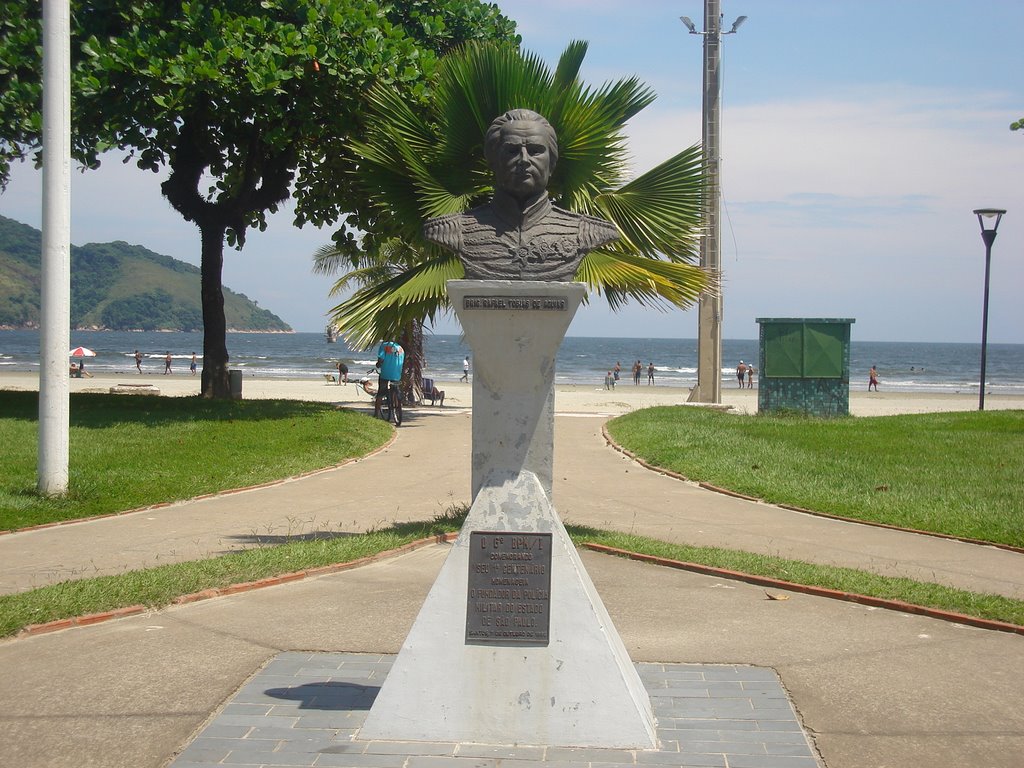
<point>873,687</point>
<point>425,471</point>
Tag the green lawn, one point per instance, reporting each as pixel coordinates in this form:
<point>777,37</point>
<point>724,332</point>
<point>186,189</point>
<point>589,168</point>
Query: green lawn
<point>128,451</point>
<point>953,473</point>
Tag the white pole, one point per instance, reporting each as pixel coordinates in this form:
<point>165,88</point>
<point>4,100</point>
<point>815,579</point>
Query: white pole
<point>54,407</point>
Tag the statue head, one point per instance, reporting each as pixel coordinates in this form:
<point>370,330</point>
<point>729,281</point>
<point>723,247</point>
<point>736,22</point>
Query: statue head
<point>521,148</point>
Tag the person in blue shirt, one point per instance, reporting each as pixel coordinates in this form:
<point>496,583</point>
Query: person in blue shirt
<point>390,359</point>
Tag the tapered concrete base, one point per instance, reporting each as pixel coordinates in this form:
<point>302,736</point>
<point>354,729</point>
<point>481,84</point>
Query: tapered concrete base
<point>581,689</point>
<point>514,329</point>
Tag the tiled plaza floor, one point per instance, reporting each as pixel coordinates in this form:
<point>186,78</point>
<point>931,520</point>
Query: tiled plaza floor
<point>305,709</point>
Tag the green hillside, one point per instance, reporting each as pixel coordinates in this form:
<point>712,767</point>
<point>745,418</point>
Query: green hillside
<point>115,286</point>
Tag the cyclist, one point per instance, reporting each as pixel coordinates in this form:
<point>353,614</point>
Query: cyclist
<point>390,359</point>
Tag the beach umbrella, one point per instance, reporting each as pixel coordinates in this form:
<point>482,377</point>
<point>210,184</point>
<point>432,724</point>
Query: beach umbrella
<point>81,352</point>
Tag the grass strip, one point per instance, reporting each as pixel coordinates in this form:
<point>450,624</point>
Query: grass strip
<point>985,606</point>
<point>130,451</point>
<point>159,587</point>
<point>952,473</point>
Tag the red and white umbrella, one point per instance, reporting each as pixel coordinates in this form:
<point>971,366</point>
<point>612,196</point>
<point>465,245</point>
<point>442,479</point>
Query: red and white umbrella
<point>81,352</point>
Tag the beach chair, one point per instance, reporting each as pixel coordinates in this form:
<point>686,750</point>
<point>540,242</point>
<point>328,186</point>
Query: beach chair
<point>432,393</point>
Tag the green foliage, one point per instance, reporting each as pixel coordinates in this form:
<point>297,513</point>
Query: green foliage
<point>419,162</point>
<point>1017,125</point>
<point>952,473</point>
<point>115,286</point>
<point>242,100</point>
<point>114,466</point>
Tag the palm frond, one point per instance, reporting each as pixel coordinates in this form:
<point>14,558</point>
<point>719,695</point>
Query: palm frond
<point>661,211</point>
<point>416,165</point>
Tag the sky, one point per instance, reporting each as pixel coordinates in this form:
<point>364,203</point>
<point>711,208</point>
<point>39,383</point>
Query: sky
<point>857,138</point>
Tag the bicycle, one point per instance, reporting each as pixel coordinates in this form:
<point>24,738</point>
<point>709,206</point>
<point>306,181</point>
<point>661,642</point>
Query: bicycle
<point>390,403</point>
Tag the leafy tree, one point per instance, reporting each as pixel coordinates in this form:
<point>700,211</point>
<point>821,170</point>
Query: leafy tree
<point>367,270</point>
<point>241,100</point>
<point>1017,125</point>
<point>416,164</point>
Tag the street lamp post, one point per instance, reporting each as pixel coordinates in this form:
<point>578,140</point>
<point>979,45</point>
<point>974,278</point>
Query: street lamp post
<point>709,308</point>
<point>988,235</point>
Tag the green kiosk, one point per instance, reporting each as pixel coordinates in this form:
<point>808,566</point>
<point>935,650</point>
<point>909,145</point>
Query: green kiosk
<point>804,365</point>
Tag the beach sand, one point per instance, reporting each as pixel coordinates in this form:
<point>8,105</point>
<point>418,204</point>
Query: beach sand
<point>569,398</point>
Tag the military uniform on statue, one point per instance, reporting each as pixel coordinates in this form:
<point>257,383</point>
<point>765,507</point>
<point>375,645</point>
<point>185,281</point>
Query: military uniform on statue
<point>504,241</point>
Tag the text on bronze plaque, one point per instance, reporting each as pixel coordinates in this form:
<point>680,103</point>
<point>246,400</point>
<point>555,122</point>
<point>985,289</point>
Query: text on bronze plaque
<point>523,303</point>
<point>509,594</point>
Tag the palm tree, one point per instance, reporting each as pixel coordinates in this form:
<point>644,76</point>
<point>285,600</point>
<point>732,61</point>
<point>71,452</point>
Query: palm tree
<point>415,166</point>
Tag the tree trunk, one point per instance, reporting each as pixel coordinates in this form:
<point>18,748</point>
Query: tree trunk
<point>411,340</point>
<point>216,383</point>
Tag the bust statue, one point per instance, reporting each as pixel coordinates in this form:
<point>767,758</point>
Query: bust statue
<point>519,234</point>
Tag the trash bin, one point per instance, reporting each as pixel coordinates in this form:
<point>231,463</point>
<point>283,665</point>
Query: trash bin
<point>235,377</point>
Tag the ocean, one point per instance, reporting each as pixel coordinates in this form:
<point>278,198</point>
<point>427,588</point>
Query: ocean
<point>902,366</point>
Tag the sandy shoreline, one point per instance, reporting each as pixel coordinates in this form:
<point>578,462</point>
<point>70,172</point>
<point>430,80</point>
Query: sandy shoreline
<point>569,398</point>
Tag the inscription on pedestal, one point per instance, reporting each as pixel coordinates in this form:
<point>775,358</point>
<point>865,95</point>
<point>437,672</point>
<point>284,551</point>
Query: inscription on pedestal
<point>523,303</point>
<point>509,595</point>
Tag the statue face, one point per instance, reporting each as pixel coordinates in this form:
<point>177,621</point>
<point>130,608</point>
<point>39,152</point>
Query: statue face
<point>523,162</point>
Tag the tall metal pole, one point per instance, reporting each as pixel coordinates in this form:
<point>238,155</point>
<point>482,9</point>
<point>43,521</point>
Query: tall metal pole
<point>54,407</point>
<point>709,311</point>
<point>989,236</point>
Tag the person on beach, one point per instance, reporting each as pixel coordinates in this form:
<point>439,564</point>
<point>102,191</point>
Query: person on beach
<point>741,372</point>
<point>873,378</point>
<point>342,373</point>
<point>138,361</point>
<point>650,374</point>
<point>637,368</point>
<point>609,380</point>
<point>616,370</point>
<point>192,365</point>
<point>167,363</point>
<point>750,377</point>
<point>465,369</point>
<point>390,361</point>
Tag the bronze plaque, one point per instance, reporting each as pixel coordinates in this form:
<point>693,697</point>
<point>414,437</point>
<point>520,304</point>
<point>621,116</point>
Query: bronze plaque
<point>509,596</point>
<point>521,303</point>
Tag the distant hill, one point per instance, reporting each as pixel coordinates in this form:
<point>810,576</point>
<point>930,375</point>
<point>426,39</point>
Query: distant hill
<point>115,286</point>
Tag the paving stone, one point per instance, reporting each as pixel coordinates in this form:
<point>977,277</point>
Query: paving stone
<point>304,710</point>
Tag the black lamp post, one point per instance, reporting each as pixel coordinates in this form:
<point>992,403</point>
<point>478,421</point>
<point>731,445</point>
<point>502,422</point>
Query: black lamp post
<point>989,236</point>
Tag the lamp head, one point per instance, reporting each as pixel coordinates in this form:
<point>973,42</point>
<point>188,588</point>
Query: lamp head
<point>989,214</point>
<point>736,24</point>
<point>689,24</point>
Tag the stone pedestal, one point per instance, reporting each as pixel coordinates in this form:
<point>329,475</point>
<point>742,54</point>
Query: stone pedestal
<point>513,644</point>
<point>578,690</point>
<point>514,329</point>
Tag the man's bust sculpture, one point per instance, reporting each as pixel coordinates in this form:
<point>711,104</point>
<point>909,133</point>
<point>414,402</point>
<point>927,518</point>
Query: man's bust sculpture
<point>520,235</point>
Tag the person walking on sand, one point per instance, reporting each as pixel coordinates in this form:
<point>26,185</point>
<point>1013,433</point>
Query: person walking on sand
<point>873,378</point>
<point>167,363</point>
<point>650,374</point>
<point>609,381</point>
<point>342,373</point>
<point>617,370</point>
<point>637,367</point>
<point>138,361</point>
<point>741,372</point>
<point>465,369</point>
<point>750,377</point>
<point>192,365</point>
